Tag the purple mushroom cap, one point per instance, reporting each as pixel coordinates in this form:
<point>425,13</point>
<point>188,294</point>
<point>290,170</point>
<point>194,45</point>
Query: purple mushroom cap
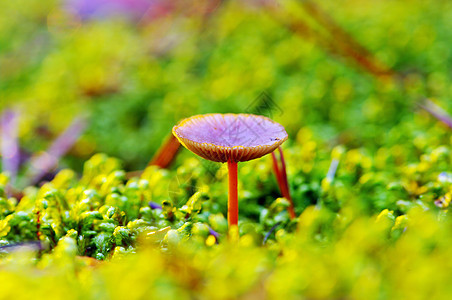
<point>236,137</point>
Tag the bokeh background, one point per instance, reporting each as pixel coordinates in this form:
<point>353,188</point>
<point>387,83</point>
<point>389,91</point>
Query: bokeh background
<point>79,77</point>
<point>362,87</point>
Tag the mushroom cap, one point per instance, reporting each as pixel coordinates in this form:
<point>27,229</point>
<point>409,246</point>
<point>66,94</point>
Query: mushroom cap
<point>236,137</point>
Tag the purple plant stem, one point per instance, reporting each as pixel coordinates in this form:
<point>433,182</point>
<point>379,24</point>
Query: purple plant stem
<point>437,112</point>
<point>154,205</point>
<point>270,232</point>
<point>45,162</point>
<point>102,9</point>
<point>329,176</point>
<point>10,145</point>
<point>215,234</point>
<point>34,245</point>
<point>332,169</point>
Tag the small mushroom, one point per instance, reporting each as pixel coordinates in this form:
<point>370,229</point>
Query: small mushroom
<point>230,138</point>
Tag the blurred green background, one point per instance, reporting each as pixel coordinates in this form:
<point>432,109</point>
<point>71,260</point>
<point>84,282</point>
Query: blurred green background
<point>368,167</point>
<point>132,69</point>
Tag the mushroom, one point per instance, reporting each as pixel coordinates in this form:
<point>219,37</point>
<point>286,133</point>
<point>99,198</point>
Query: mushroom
<point>230,138</point>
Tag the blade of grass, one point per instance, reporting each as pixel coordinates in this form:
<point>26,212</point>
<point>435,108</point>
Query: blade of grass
<point>332,169</point>
<point>10,144</point>
<point>42,164</point>
<point>349,45</point>
<point>332,38</point>
<point>437,112</point>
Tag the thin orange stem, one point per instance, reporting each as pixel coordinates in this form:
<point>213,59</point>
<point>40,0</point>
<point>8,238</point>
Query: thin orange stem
<point>163,157</point>
<point>167,152</point>
<point>233,203</point>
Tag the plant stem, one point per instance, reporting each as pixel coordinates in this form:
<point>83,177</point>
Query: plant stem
<point>164,156</point>
<point>233,203</point>
<point>277,173</point>
<point>286,184</point>
<point>166,153</point>
<point>281,177</point>
<point>10,145</point>
<point>42,164</point>
<point>437,112</point>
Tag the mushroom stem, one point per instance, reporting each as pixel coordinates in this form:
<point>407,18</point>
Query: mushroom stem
<point>233,203</point>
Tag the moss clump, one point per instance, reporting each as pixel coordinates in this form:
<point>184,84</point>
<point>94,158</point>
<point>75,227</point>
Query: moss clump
<point>360,229</point>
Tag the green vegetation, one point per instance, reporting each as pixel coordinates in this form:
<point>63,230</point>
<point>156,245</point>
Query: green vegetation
<point>134,82</point>
<point>369,171</point>
<point>340,245</point>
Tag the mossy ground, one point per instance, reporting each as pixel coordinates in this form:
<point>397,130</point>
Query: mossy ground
<point>369,170</point>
